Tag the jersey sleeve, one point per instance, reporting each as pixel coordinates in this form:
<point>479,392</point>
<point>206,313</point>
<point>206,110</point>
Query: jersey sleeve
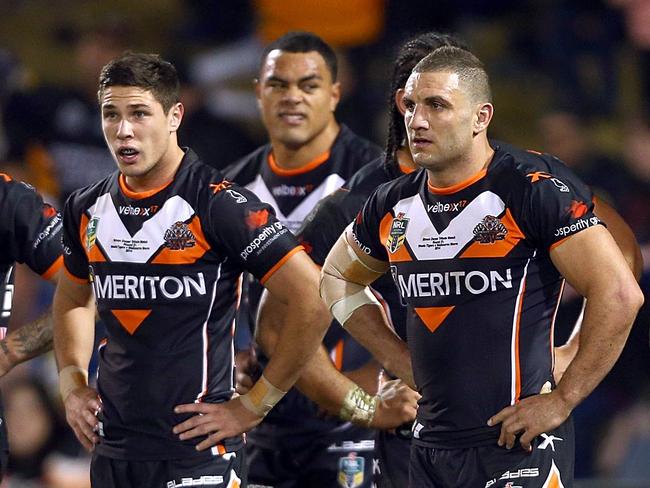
<point>249,232</point>
<point>325,223</point>
<point>31,228</point>
<point>560,205</point>
<point>74,253</point>
<point>367,225</point>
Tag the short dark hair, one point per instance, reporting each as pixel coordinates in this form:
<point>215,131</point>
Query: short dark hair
<point>303,42</point>
<point>147,71</point>
<point>409,54</point>
<point>469,68</point>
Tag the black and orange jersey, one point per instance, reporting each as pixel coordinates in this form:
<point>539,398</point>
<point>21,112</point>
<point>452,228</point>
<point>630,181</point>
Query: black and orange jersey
<point>30,233</point>
<point>164,267</point>
<point>332,215</point>
<point>472,265</point>
<point>293,193</point>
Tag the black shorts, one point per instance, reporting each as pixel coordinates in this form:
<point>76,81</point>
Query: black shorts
<point>228,470</point>
<point>550,464</point>
<point>391,464</point>
<point>343,464</point>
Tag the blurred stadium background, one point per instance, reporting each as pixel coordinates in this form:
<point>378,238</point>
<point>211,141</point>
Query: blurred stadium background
<point>570,77</point>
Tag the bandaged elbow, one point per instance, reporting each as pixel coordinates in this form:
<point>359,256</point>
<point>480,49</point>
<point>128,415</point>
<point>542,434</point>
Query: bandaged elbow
<point>343,297</point>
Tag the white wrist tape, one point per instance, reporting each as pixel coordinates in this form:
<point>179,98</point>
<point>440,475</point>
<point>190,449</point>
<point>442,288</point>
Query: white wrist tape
<point>71,377</point>
<point>262,397</point>
<point>342,309</point>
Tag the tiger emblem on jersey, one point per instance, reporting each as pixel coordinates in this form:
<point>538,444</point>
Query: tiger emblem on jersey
<point>179,237</point>
<point>490,230</point>
<point>397,234</point>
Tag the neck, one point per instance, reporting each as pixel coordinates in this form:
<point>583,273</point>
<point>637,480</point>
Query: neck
<point>404,159</point>
<point>464,168</point>
<point>160,175</point>
<point>290,157</point>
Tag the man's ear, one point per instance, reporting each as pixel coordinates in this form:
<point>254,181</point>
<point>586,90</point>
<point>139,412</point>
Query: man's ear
<point>399,101</point>
<point>336,96</point>
<point>176,116</point>
<point>483,117</point>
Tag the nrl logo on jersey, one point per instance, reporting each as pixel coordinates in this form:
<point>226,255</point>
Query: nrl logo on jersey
<point>351,470</point>
<point>179,237</point>
<point>490,230</point>
<point>397,234</point>
<point>91,233</point>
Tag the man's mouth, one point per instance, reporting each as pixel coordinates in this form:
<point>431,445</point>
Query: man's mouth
<point>292,118</point>
<point>127,154</point>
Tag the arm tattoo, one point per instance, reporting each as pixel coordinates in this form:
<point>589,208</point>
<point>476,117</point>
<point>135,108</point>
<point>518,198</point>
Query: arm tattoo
<point>34,338</point>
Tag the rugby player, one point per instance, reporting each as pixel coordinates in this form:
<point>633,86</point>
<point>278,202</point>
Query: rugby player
<point>30,233</point>
<point>157,248</point>
<point>478,245</point>
<point>309,155</point>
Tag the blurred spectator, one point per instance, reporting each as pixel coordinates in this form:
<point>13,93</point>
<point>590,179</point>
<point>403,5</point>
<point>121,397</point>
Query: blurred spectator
<point>57,130</point>
<point>637,24</point>
<point>635,201</point>
<point>575,43</point>
<point>41,443</point>
<point>218,141</point>
<point>352,27</point>
<point>564,134</point>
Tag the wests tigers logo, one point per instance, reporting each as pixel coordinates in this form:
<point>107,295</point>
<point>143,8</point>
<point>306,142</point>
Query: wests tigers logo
<point>179,237</point>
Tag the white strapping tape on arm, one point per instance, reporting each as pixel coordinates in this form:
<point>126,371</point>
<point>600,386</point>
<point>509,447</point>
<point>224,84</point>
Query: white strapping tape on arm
<point>343,297</point>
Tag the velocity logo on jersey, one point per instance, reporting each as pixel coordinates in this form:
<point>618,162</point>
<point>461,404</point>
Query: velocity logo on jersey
<point>397,234</point>
<point>490,230</point>
<point>291,190</point>
<point>179,237</point>
<point>351,470</point>
<point>440,207</point>
<point>138,211</point>
<point>91,233</point>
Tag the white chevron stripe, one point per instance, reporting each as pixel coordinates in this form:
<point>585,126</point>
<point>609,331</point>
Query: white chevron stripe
<point>298,214</point>
<point>116,241</point>
<point>458,233</point>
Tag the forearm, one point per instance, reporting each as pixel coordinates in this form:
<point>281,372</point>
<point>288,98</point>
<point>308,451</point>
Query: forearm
<point>369,326</point>
<point>27,342</point>
<point>301,335</point>
<point>320,381</point>
<point>323,384</point>
<point>74,331</point>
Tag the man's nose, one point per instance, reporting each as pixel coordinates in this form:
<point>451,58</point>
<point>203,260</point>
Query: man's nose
<point>124,129</point>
